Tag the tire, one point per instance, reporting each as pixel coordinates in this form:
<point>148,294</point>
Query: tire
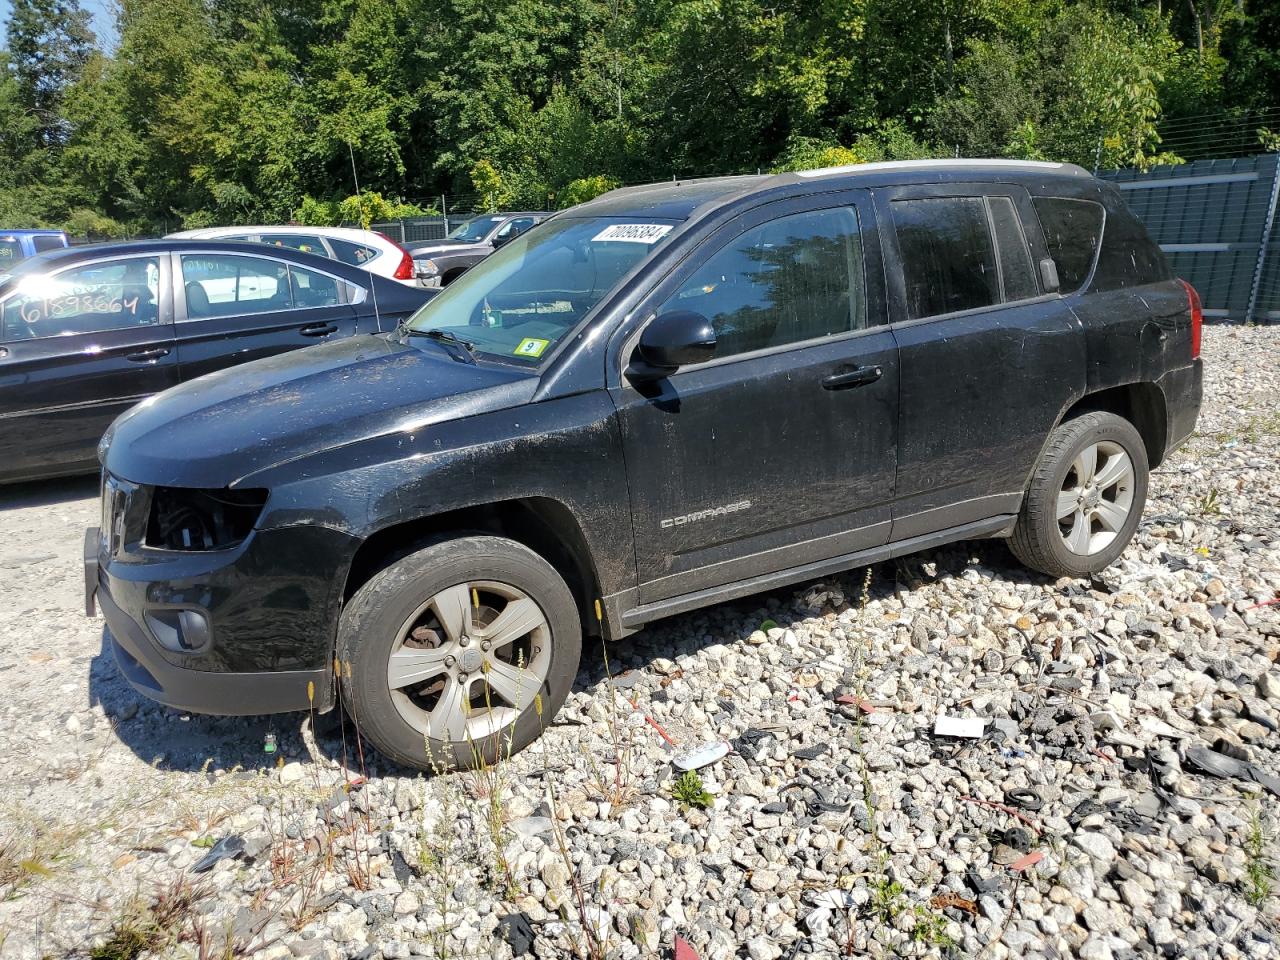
<point>417,609</point>
<point>1091,535</point>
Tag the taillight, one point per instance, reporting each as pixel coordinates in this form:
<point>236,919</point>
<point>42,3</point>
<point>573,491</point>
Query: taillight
<point>405,269</point>
<point>1197,317</point>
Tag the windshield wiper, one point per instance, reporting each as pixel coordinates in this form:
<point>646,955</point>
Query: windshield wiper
<point>446,336</point>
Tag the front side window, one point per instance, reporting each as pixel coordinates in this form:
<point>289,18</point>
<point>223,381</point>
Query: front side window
<point>793,279</point>
<point>1073,233</point>
<point>95,298</point>
<point>224,285</point>
<point>10,251</point>
<point>517,304</point>
<point>295,241</point>
<point>948,261</point>
<point>356,254</point>
<point>513,228</point>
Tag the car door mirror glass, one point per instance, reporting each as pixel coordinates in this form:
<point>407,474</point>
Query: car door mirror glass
<point>672,340</point>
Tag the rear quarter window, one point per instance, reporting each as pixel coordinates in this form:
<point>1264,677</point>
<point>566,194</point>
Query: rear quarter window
<point>1073,233</point>
<point>1129,256</point>
<point>48,243</point>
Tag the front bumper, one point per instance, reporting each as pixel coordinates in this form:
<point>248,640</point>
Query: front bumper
<point>270,646</point>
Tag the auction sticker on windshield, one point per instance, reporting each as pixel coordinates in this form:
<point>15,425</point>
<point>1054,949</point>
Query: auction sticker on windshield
<point>634,232</point>
<point>531,347</point>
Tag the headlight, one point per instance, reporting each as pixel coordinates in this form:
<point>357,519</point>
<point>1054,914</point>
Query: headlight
<point>426,268</point>
<point>183,519</point>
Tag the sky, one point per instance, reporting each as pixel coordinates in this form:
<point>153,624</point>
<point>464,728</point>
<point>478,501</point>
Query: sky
<point>103,19</point>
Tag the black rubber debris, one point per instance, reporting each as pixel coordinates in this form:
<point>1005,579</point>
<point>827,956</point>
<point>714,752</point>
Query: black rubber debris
<point>224,849</point>
<point>518,932</point>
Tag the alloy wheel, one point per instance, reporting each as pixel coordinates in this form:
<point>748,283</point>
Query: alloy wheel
<point>469,660</point>
<point>1096,497</point>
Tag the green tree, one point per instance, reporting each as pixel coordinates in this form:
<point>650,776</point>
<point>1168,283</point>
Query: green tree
<point>50,42</point>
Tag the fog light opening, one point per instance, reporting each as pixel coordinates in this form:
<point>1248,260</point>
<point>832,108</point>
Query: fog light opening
<point>182,631</point>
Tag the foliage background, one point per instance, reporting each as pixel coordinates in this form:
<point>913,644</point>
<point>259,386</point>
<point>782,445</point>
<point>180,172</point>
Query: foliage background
<point>218,111</point>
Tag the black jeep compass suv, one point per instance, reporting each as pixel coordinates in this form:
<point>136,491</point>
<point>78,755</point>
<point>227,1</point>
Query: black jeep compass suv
<point>665,398</point>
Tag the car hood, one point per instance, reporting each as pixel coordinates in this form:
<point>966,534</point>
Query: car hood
<point>219,429</point>
<point>436,249</point>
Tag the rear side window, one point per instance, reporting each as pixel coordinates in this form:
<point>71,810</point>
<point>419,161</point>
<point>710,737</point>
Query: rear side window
<point>221,285</point>
<point>793,279</point>
<point>48,243</point>
<point>1073,232</point>
<point>356,254</point>
<point>948,260</point>
<point>297,242</point>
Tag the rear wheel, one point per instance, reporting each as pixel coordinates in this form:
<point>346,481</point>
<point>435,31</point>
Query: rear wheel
<point>459,653</point>
<point>1085,498</point>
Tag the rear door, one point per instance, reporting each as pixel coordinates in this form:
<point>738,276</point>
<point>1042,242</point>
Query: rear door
<point>80,346</point>
<point>989,359</point>
<point>233,308</point>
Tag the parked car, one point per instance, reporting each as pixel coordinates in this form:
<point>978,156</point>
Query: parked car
<point>439,262</point>
<point>87,332</point>
<point>366,249</point>
<point>16,245</point>
<point>668,397</point>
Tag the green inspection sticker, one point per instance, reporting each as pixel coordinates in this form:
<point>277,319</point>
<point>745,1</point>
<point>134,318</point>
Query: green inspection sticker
<point>531,347</point>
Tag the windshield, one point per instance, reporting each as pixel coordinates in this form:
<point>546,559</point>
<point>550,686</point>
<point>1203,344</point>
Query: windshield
<point>515,305</point>
<point>473,231</point>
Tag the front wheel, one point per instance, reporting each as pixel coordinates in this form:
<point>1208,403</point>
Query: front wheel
<point>1085,498</point>
<point>459,654</point>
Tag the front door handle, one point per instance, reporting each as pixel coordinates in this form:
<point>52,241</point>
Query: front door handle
<point>142,356</point>
<point>857,377</point>
<point>319,330</point>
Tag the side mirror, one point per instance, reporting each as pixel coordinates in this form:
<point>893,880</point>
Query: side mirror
<point>670,341</point>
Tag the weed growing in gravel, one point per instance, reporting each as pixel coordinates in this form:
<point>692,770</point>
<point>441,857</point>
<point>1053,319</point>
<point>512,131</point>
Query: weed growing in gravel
<point>615,786</point>
<point>154,927</point>
<point>688,791</point>
<point>435,857</point>
<point>1259,874</point>
<point>1210,505</point>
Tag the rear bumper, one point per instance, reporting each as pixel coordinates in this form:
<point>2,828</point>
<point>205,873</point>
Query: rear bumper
<point>1183,391</point>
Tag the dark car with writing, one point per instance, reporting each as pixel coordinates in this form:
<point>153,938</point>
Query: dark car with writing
<point>87,332</point>
<point>437,263</point>
<point>668,397</point>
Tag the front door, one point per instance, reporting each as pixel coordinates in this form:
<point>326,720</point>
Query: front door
<point>780,450</point>
<point>989,357</point>
<point>79,347</point>
<point>234,308</point>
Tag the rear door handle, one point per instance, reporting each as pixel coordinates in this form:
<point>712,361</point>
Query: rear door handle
<point>319,330</point>
<point>142,356</point>
<point>857,377</point>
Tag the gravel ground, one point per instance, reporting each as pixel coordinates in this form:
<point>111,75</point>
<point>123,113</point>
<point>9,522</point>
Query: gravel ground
<point>1090,818</point>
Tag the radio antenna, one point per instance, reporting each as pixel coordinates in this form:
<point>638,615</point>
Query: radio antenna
<point>373,281</point>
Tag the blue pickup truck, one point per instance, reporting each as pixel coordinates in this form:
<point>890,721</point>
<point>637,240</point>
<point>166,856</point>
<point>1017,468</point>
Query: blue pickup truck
<point>17,245</point>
